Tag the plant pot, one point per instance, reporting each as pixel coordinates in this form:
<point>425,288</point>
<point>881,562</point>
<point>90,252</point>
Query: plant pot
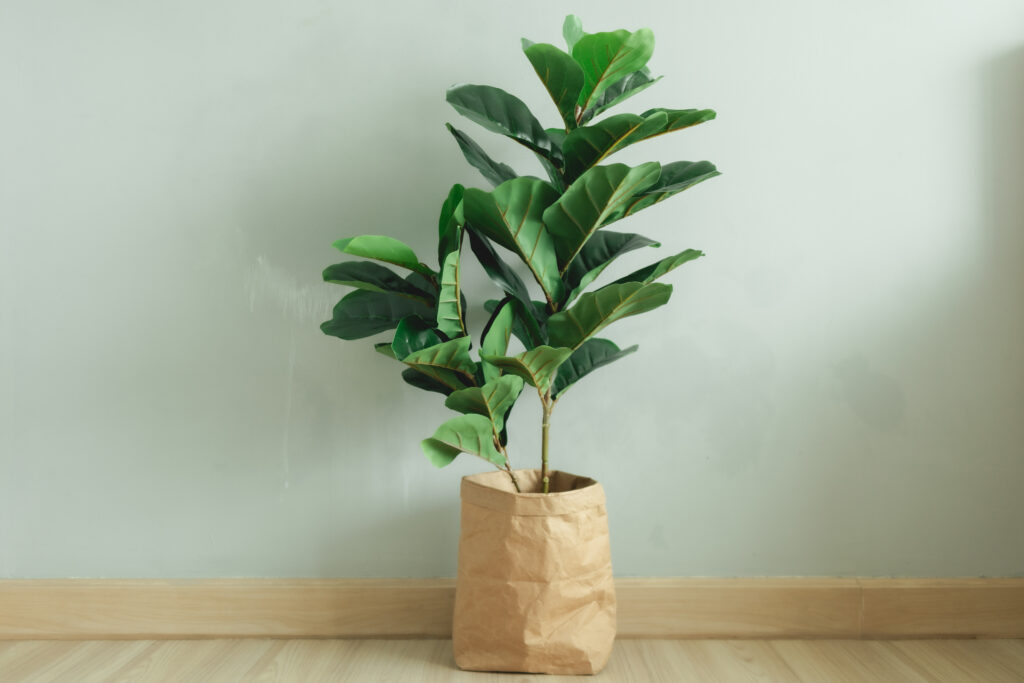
<point>534,592</point>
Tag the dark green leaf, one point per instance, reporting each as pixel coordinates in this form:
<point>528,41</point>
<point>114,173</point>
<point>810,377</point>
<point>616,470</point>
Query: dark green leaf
<point>675,177</point>
<point>593,354</point>
<point>590,201</point>
<point>496,335</point>
<point>607,58</point>
<point>421,381</point>
<point>465,434</point>
<point>449,222</point>
<point>600,250</point>
<point>595,310</point>
<point>526,326</point>
<point>561,76</point>
<point>361,314</point>
<point>496,173</point>
<point>493,400</point>
<point>383,248</point>
<point>413,334</point>
<point>500,112</point>
<point>373,277</point>
<point>634,83</point>
<point>499,271</point>
<point>537,366</point>
<point>654,271</point>
<point>448,363</point>
<point>511,216</point>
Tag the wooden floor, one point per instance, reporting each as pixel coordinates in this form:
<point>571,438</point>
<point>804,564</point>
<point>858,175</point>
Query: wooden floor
<point>642,661</point>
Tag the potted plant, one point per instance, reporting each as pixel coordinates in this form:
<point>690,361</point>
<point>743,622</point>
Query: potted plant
<point>534,590</point>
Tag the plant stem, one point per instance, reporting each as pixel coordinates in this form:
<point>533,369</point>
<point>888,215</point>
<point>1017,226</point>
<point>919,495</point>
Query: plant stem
<point>548,406</point>
<point>515,482</point>
<point>508,466</point>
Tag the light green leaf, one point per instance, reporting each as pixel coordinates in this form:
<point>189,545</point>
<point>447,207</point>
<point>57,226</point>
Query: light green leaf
<point>373,277</point>
<point>496,173</point>
<point>493,400</point>
<point>449,301</point>
<point>500,112</point>
<point>607,58</point>
<point>603,247</point>
<point>572,30</point>
<point>527,321</point>
<point>561,76</point>
<point>593,354</point>
<point>537,366</point>
<point>383,248</point>
<point>362,313</point>
<point>654,271</point>
<point>596,310</point>
<point>496,336</point>
<point>675,177</point>
<point>464,434</point>
<point>590,201</point>
<point>447,363</point>
<point>511,216</point>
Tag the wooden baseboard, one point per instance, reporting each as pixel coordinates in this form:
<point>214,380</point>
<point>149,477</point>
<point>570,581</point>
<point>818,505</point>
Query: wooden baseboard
<point>395,608</point>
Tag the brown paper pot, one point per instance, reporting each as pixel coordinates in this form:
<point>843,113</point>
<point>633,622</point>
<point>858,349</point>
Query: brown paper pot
<point>534,591</point>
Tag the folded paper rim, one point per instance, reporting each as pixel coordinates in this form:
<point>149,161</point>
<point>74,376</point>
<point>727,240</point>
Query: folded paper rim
<point>494,491</point>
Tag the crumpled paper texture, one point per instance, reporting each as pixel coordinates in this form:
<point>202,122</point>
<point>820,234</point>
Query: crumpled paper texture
<point>534,592</point>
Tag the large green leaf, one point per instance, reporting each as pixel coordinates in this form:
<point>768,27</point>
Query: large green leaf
<point>598,253</point>
<point>493,400</point>
<point>499,271</point>
<point>595,310</point>
<point>590,201</point>
<point>496,334</point>
<point>496,173</point>
<point>537,366</point>
<point>634,83</point>
<point>528,321</point>
<point>464,434</point>
<point>593,354</point>
<point>675,177</point>
<point>412,334</point>
<point>572,30</point>
<point>449,223</point>
<point>654,271</point>
<point>373,277</point>
<point>447,363</point>
<point>607,58</point>
<point>450,316</point>
<point>383,248</point>
<point>362,313</point>
<point>561,76</point>
<point>501,112</point>
<point>421,381</point>
<point>511,216</point>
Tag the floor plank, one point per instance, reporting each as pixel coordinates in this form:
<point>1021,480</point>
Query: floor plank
<point>431,661</point>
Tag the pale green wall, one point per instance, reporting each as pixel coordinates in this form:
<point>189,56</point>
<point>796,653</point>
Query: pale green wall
<point>838,389</point>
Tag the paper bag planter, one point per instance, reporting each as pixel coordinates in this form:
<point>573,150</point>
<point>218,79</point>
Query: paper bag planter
<point>524,580</point>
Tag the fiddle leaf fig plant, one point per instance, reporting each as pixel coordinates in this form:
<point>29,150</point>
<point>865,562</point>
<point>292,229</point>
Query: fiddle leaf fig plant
<point>556,226</point>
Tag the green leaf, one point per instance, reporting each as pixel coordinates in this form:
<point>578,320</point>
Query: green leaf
<point>449,222</point>
<point>590,201</point>
<point>607,58</point>
<point>384,348</point>
<point>493,400</point>
<point>526,325</point>
<point>597,254</point>
<point>654,271</point>
<point>634,83</point>
<point>361,314</point>
<point>511,216</point>
<point>413,334</point>
<point>465,434</point>
<point>496,173</point>
<point>500,112</point>
<point>596,310</point>
<point>593,354</point>
<point>499,271</point>
<point>383,248</point>
<point>675,177</point>
<point>421,381</point>
<point>450,316</point>
<point>373,278</point>
<point>572,30</point>
<point>494,341</point>
<point>447,363</point>
<point>561,76</point>
<point>537,366</point>
<point>589,145</point>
